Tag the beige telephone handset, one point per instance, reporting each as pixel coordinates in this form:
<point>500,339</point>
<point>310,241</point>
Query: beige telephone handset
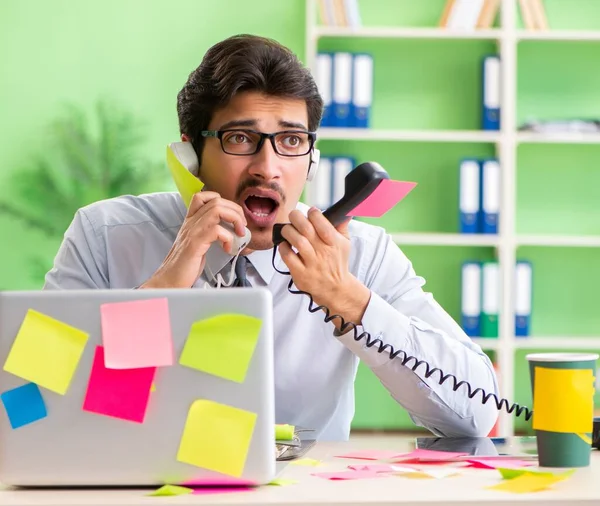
<point>183,164</point>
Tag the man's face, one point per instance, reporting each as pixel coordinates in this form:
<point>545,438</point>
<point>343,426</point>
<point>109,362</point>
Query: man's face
<point>266,185</point>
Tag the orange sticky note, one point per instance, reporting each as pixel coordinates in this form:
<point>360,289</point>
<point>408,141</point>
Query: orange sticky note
<point>137,334</point>
<point>222,345</point>
<point>217,437</point>
<point>46,352</point>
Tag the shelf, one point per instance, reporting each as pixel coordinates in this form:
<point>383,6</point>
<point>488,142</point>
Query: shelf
<point>560,35</point>
<point>487,343</point>
<point>367,134</point>
<point>567,343</point>
<point>583,241</point>
<point>391,32</point>
<point>422,239</point>
<point>558,138</point>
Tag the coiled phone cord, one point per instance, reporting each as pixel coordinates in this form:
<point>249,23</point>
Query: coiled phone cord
<point>383,347</point>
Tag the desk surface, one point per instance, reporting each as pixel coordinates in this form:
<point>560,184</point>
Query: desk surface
<point>468,487</point>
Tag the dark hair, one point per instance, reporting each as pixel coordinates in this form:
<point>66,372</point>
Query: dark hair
<point>243,63</point>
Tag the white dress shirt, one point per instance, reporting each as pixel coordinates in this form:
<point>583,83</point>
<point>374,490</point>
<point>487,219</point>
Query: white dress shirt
<point>119,243</point>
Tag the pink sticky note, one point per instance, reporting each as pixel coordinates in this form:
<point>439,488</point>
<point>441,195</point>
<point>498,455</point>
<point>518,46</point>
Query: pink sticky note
<point>220,490</point>
<point>348,475</point>
<point>369,455</point>
<point>120,393</point>
<point>385,196</point>
<point>428,456</point>
<point>375,468</point>
<point>494,464</point>
<point>137,334</point>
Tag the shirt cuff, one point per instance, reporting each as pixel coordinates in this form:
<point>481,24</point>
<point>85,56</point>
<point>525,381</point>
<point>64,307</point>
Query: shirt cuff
<point>378,320</point>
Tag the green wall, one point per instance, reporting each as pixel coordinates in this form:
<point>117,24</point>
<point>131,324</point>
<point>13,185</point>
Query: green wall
<point>140,53</point>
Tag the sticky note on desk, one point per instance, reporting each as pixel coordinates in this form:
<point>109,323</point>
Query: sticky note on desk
<point>369,455</point>
<point>526,483</point>
<point>216,437</point>
<point>572,390</point>
<point>120,393</point>
<point>46,352</point>
<point>170,490</point>
<point>24,405</point>
<point>222,345</point>
<point>137,334</point>
<point>387,194</point>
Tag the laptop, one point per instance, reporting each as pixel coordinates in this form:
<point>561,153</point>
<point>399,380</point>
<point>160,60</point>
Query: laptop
<point>71,446</point>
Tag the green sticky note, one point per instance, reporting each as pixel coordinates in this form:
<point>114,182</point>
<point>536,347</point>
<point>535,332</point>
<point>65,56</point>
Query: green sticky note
<point>510,474</point>
<point>222,345</point>
<point>171,490</point>
<point>282,482</point>
<point>46,352</point>
<point>284,431</point>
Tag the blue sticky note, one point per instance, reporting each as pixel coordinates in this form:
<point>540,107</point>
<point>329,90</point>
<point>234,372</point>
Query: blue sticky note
<point>24,405</point>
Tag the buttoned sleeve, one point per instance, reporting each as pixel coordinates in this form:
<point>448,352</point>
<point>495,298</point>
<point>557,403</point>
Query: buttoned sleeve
<point>80,262</point>
<point>401,315</point>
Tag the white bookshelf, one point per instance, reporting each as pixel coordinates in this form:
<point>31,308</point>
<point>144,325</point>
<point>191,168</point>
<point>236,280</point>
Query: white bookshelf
<point>506,142</point>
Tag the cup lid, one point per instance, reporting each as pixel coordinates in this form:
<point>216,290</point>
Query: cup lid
<point>562,357</point>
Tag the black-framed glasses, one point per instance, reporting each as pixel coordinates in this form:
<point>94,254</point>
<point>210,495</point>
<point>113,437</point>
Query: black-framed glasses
<point>242,142</point>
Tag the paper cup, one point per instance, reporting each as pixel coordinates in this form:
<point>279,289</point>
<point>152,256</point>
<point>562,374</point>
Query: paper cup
<point>563,407</point>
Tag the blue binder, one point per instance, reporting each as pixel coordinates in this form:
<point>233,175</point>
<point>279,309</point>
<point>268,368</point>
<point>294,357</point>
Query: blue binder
<point>362,90</point>
<point>324,78</point>
<point>490,195</point>
<point>469,200</point>
<point>523,297</point>
<point>342,89</point>
<point>471,298</point>
<point>491,92</point>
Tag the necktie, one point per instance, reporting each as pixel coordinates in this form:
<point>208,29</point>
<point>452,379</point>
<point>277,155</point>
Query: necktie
<point>240,272</point>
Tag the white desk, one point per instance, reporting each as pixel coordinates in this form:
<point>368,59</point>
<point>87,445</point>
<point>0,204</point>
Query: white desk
<point>469,487</point>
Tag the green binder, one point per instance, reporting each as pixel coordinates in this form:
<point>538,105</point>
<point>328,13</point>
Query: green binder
<point>490,298</point>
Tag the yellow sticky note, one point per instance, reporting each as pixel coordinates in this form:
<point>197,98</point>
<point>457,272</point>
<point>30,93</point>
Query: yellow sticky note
<point>563,400</point>
<point>153,387</point>
<point>282,482</point>
<point>171,490</point>
<point>46,352</point>
<point>217,437</point>
<point>527,482</point>
<point>186,182</point>
<point>284,431</point>
<point>306,462</point>
<point>222,345</point>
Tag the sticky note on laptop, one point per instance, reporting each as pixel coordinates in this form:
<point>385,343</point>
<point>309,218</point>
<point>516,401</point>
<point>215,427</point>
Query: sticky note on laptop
<point>137,334</point>
<point>120,393</point>
<point>46,352</point>
<point>222,345</point>
<point>387,194</point>
<point>24,405</point>
<point>217,437</point>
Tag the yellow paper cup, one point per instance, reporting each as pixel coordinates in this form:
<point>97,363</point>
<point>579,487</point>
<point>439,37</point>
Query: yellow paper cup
<point>563,407</point>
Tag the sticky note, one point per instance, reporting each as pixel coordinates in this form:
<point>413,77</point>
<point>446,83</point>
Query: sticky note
<point>370,455</point>
<point>284,431</point>
<point>166,490</point>
<point>222,345</point>
<point>282,482</point>
<point>137,334</point>
<point>24,405</point>
<point>221,490</point>
<point>509,473</point>
<point>46,352</point>
<point>349,475</point>
<point>495,464</point>
<point>120,393</point>
<point>152,387</point>
<point>380,468</point>
<point>306,462</point>
<point>429,456</point>
<point>429,473</point>
<point>216,437</point>
<point>563,400</point>
<point>186,182</point>
<point>526,483</point>
<point>387,194</point>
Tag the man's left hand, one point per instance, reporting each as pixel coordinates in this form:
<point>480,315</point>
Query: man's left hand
<point>320,266</point>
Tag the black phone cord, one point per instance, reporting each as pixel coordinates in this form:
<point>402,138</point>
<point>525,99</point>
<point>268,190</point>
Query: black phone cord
<point>383,347</point>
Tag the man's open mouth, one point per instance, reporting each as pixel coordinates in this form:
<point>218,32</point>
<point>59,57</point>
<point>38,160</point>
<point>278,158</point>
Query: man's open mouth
<point>261,206</point>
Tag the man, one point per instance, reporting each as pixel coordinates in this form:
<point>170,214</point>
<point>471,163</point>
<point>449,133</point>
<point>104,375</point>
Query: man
<point>245,88</point>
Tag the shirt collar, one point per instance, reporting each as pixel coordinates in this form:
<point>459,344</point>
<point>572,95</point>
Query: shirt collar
<point>217,259</point>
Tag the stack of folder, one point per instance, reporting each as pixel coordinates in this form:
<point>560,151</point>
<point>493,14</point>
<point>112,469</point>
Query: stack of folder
<point>345,82</point>
<point>328,186</point>
<point>480,298</point>
<point>479,198</point>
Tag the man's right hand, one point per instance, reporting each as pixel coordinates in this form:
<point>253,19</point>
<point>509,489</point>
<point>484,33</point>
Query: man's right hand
<point>186,259</point>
